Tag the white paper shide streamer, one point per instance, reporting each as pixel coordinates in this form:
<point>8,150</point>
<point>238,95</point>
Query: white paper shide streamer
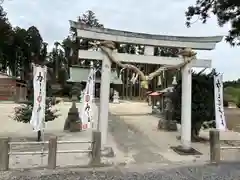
<point>39,86</point>
<point>159,83</point>
<point>219,109</point>
<point>87,106</point>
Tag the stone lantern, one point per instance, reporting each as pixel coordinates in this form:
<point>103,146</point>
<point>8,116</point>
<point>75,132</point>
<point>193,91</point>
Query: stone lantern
<point>73,122</point>
<point>168,123</point>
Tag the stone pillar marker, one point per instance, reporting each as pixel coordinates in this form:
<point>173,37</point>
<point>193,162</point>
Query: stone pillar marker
<point>215,149</point>
<point>4,156</point>
<point>52,152</point>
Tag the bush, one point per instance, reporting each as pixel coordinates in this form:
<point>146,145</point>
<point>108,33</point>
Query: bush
<point>238,101</point>
<point>23,113</point>
<point>232,94</point>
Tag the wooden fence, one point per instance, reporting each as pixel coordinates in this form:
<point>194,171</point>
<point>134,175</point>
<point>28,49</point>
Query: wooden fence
<point>95,151</point>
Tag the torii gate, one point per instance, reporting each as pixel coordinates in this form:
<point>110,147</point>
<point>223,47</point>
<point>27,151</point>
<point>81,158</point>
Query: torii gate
<point>149,41</point>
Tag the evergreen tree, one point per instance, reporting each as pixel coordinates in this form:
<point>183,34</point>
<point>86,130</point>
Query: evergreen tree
<point>226,11</point>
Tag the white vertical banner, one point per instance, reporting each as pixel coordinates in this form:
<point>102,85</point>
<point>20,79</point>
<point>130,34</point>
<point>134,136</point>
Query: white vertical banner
<point>87,106</point>
<point>39,105</point>
<point>219,108</point>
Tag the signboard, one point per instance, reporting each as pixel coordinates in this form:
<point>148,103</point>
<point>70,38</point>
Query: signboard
<point>39,86</point>
<point>219,108</point>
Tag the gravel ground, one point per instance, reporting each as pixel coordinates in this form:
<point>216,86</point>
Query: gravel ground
<point>227,171</point>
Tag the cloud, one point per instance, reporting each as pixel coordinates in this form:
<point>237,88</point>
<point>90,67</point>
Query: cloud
<point>152,16</point>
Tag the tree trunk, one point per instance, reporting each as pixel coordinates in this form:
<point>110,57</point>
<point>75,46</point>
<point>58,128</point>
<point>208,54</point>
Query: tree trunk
<point>39,136</point>
<point>195,135</point>
<point>195,132</point>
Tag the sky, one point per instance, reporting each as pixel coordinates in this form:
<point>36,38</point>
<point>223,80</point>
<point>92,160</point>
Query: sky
<point>52,17</point>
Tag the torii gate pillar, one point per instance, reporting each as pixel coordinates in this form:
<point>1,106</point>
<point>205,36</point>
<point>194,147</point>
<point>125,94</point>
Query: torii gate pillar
<point>104,100</point>
<point>186,108</point>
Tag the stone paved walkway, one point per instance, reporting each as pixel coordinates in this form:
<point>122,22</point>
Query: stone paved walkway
<point>133,142</point>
